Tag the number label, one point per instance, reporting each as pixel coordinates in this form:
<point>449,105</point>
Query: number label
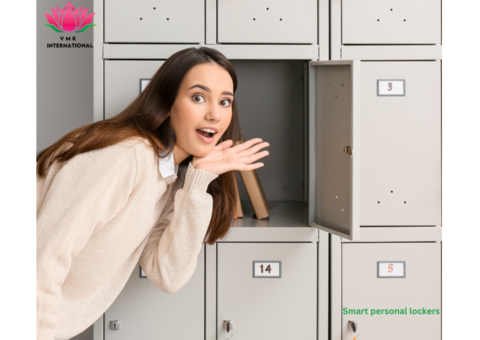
<point>143,84</point>
<point>267,269</point>
<point>391,87</point>
<point>391,269</point>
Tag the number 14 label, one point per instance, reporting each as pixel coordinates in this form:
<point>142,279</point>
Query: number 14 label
<point>267,269</point>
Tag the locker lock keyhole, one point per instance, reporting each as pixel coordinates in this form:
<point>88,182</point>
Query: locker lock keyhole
<point>228,325</point>
<point>353,326</point>
<point>115,325</point>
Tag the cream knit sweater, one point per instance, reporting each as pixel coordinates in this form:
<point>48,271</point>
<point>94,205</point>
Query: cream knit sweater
<point>101,213</point>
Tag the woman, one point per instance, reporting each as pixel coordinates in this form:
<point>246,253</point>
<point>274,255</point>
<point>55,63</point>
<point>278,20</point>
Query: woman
<point>108,196</point>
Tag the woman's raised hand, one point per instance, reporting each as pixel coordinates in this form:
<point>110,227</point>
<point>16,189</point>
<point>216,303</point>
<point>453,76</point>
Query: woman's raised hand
<point>224,157</point>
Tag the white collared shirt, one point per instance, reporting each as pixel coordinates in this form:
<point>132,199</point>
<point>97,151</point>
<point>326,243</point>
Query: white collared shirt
<point>167,166</point>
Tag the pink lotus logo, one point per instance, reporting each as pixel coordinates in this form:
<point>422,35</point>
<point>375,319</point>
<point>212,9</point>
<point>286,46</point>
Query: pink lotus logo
<point>69,19</point>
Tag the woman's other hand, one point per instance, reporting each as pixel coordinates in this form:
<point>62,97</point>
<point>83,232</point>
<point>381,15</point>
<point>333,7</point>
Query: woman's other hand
<point>226,158</point>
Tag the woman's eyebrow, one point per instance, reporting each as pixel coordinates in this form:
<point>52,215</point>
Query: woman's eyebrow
<point>208,89</point>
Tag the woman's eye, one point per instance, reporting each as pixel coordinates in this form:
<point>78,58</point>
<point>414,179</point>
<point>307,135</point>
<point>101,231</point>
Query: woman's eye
<point>198,99</point>
<point>227,101</point>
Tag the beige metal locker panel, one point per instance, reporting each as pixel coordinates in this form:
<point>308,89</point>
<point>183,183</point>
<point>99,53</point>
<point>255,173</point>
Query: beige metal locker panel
<point>334,147</point>
<point>123,82</point>
<point>392,22</point>
<point>401,143</point>
<point>264,21</point>
<point>153,21</point>
<point>417,294</point>
<point>145,312</point>
<point>270,307</point>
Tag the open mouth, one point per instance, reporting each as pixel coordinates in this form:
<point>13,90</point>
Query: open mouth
<point>206,132</point>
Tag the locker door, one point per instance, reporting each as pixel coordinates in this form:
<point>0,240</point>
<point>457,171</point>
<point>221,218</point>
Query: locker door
<point>393,290</point>
<point>265,21</point>
<point>123,81</point>
<point>267,303</point>
<point>145,312</point>
<point>334,147</point>
<point>391,22</point>
<point>180,21</point>
<point>401,143</point>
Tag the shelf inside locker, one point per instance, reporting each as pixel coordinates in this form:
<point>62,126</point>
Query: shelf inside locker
<point>281,214</point>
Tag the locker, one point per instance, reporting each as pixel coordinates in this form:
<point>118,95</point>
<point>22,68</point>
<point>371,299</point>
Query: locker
<point>287,22</point>
<point>417,294</point>
<point>365,151</point>
<point>392,22</point>
<point>267,307</point>
<point>143,311</point>
<point>375,158</point>
<point>123,82</point>
<point>180,21</point>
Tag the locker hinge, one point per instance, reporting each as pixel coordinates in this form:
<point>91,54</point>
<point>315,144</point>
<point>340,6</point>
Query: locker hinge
<point>103,54</point>
<point>340,53</point>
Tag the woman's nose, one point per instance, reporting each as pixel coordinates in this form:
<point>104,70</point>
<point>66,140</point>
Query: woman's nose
<point>213,113</point>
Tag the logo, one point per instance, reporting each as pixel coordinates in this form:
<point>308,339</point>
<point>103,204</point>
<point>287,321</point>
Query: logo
<point>69,19</point>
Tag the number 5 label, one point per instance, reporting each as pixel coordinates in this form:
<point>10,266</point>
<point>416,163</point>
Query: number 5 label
<point>391,269</point>
<point>390,87</point>
<point>267,269</point>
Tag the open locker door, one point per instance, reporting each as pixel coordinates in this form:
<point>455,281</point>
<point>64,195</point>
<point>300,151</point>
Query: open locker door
<point>334,147</point>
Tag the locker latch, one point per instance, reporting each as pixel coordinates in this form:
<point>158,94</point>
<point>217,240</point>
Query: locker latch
<point>348,150</point>
<point>228,326</point>
<point>353,326</point>
<point>115,325</point>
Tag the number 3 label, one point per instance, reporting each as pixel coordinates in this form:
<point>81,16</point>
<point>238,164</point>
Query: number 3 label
<point>267,269</point>
<point>391,87</point>
<point>391,269</point>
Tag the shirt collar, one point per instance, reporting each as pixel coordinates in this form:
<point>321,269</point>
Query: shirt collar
<point>167,166</point>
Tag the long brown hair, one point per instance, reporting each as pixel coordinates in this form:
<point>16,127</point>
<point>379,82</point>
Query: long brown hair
<point>148,117</point>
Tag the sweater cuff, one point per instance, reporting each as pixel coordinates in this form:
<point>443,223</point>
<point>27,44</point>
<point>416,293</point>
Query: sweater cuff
<point>196,180</point>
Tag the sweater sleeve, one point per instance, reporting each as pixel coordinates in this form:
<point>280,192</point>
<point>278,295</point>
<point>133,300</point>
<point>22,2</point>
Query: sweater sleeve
<point>170,255</point>
<point>86,192</point>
